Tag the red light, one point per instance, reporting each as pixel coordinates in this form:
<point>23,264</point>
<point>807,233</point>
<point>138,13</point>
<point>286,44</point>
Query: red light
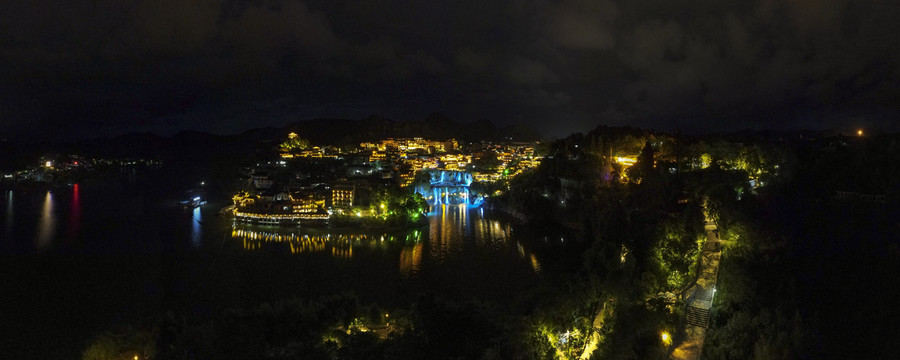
<point>76,163</point>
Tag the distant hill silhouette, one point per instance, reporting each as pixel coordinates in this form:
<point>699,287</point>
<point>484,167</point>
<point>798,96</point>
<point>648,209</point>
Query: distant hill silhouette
<point>435,126</point>
<point>197,144</point>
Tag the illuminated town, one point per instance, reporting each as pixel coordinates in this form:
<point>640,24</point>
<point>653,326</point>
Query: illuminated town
<point>449,180</point>
<point>440,171</point>
<point>426,216</point>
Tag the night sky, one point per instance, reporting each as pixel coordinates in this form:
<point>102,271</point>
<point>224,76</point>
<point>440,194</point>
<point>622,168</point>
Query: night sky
<point>106,67</point>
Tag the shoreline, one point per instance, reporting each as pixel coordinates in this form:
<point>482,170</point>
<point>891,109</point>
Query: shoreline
<point>346,223</point>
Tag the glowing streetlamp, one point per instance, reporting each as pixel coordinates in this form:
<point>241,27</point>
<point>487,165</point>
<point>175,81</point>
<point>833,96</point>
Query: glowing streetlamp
<point>859,132</point>
<point>666,338</point>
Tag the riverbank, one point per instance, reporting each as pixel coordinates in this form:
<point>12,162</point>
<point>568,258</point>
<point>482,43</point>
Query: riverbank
<point>548,217</point>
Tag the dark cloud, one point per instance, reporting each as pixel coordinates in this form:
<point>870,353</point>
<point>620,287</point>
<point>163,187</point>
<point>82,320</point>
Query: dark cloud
<point>583,24</point>
<point>224,65</point>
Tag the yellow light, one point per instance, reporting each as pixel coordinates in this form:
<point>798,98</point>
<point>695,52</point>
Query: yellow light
<point>859,132</point>
<point>626,160</point>
<point>49,164</point>
<point>666,338</point>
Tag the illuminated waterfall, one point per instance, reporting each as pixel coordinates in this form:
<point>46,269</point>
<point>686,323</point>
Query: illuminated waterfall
<point>446,187</point>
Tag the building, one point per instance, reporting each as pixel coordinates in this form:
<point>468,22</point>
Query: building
<point>342,195</point>
<point>261,180</point>
<point>308,203</point>
<point>280,208</point>
<point>411,145</point>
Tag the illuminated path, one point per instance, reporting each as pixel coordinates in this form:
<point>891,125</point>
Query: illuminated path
<point>597,325</point>
<point>700,299</point>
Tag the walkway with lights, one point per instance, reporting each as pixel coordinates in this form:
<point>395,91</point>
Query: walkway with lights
<point>700,299</point>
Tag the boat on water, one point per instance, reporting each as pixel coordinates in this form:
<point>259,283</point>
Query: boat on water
<point>194,202</point>
<point>195,198</point>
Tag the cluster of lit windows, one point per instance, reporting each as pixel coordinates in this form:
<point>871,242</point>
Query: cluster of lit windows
<point>411,145</point>
<point>341,198</point>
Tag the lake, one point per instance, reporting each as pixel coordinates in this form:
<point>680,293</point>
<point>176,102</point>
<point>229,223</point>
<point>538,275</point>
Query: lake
<point>82,259</point>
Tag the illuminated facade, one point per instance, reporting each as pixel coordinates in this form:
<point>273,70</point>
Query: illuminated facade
<point>411,144</point>
<point>279,209</point>
<point>342,196</point>
<point>308,204</point>
<point>261,180</point>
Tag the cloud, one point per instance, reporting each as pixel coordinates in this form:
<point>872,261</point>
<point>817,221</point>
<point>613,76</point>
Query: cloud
<point>287,25</point>
<point>391,61</point>
<point>526,71</point>
<point>173,25</point>
<point>470,61</point>
<point>760,61</point>
<point>583,24</point>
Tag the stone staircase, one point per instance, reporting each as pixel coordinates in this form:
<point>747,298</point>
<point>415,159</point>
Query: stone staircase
<point>697,312</point>
<point>695,316</point>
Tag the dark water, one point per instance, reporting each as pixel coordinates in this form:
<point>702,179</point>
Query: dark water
<point>79,260</point>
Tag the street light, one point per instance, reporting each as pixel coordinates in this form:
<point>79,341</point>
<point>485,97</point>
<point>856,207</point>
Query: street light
<point>859,132</point>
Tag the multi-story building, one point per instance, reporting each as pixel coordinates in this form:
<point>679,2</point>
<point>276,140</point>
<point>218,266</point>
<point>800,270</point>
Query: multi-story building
<point>342,195</point>
<point>377,155</point>
<point>261,180</point>
<point>411,145</point>
<point>307,203</point>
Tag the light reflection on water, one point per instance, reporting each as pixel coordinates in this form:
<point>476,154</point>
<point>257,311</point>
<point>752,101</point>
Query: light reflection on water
<point>452,231</point>
<point>196,230</point>
<point>75,212</point>
<point>47,223</point>
<point>535,265</point>
<point>338,245</point>
<point>411,259</point>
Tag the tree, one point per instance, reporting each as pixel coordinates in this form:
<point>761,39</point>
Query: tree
<point>294,142</point>
<point>645,166</point>
<point>121,343</point>
<point>677,251</point>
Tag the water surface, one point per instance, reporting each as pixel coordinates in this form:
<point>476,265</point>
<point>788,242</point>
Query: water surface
<point>79,260</point>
